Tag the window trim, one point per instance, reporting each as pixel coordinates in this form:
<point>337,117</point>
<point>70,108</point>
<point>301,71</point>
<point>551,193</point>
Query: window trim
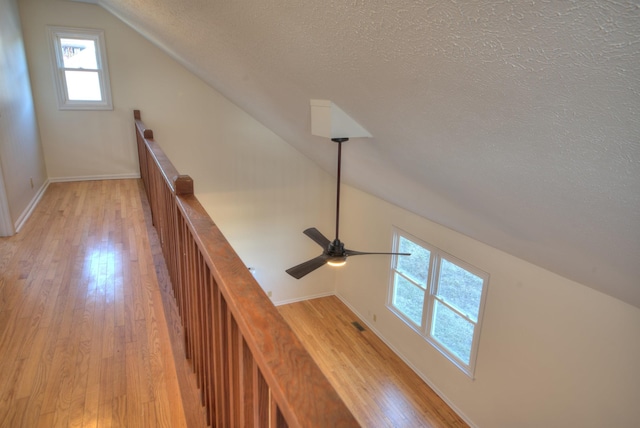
<point>64,103</point>
<point>425,330</point>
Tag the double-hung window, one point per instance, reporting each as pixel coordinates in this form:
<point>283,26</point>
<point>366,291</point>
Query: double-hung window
<point>440,297</point>
<point>81,73</point>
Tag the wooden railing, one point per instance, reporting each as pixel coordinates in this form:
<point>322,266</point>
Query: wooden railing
<point>251,369</point>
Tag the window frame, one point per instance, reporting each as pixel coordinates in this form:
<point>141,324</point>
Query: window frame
<point>425,329</point>
<point>59,69</point>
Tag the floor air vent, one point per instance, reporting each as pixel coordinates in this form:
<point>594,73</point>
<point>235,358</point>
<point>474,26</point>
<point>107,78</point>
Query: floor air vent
<point>357,325</point>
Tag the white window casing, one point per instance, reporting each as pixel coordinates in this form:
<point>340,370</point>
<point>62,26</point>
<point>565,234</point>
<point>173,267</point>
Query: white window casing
<point>80,86</point>
<point>439,296</point>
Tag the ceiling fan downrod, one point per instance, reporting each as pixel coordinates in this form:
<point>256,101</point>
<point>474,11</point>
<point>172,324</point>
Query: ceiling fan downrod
<point>339,141</point>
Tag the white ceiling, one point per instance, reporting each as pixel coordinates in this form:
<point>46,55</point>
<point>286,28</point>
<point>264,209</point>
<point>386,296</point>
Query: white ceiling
<point>514,122</point>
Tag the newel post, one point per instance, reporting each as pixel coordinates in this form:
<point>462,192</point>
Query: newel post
<point>183,185</point>
<point>146,133</point>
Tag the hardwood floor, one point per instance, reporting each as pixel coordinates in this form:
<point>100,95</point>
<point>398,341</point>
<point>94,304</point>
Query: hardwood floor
<point>376,385</point>
<point>83,338</point>
<point>89,330</point>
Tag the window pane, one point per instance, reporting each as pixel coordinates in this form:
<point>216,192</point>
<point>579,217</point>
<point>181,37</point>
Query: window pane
<point>453,331</point>
<point>460,288</point>
<point>415,266</point>
<point>408,298</point>
<point>83,85</point>
<point>79,53</point>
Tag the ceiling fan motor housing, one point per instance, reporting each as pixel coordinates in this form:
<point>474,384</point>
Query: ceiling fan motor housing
<point>336,249</point>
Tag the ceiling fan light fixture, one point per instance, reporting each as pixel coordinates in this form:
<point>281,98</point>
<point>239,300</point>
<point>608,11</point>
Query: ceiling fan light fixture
<point>337,261</point>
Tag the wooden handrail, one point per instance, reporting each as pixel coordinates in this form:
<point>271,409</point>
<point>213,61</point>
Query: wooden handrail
<point>250,367</point>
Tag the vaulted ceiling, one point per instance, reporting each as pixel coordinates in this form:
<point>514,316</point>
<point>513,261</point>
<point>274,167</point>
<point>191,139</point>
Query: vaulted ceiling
<point>514,122</point>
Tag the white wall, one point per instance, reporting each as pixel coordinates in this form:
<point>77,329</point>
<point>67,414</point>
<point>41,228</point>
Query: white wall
<point>81,144</point>
<point>260,191</point>
<point>553,353</point>
<point>21,159</point>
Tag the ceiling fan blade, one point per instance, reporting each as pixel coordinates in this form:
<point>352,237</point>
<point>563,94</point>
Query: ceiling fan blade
<point>318,237</point>
<point>307,267</point>
<point>361,253</point>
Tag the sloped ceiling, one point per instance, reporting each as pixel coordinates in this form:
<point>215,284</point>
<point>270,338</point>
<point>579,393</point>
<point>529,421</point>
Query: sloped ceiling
<point>514,122</point>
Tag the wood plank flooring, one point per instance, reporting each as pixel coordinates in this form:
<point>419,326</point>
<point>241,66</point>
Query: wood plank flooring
<point>83,338</point>
<point>375,384</point>
<point>89,330</point>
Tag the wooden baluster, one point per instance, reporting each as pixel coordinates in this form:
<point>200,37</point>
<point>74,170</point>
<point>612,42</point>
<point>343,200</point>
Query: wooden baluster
<point>184,266</point>
<point>188,297</point>
<point>223,374</point>
<point>218,391</point>
<point>260,399</point>
<point>246,384</point>
<point>193,252</point>
<point>200,331</point>
<point>208,346</point>
<point>276,417</point>
<point>196,314</point>
<point>233,347</point>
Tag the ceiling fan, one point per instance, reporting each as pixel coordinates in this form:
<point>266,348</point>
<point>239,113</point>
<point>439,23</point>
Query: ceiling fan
<point>334,253</point>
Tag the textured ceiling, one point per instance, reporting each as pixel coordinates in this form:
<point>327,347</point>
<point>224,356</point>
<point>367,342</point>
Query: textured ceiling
<point>514,122</point>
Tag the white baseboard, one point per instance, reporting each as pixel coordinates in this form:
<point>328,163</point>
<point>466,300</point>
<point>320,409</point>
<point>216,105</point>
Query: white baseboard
<point>407,362</point>
<point>32,206</point>
<point>95,177</point>
<point>302,299</point>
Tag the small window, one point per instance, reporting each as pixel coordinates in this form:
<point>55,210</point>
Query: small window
<point>80,69</point>
<point>440,297</point>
